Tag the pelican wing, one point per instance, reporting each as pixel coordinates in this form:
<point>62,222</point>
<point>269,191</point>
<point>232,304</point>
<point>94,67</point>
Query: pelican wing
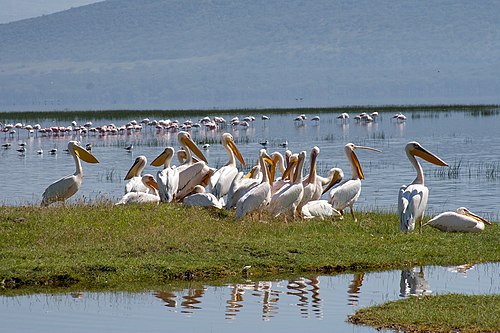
<point>318,209</point>
<point>168,184</point>
<point>255,199</point>
<point>239,187</point>
<point>222,179</point>
<point>345,194</point>
<point>454,222</point>
<point>197,174</point>
<point>135,184</point>
<point>202,200</point>
<point>61,189</point>
<point>286,199</point>
<point>411,205</point>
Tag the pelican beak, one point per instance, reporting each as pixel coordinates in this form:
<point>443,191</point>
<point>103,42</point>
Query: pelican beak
<point>369,148</point>
<point>272,165</point>
<point>312,168</point>
<point>336,178</point>
<point>152,182</point>
<point>428,156</point>
<point>84,155</point>
<point>194,148</point>
<point>160,160</point>
<point>236,152</point>
<point>478,218</point>
<point>252,172</point>
<point>134,169</point>
<point>290,168</point>
<point>356,161</point>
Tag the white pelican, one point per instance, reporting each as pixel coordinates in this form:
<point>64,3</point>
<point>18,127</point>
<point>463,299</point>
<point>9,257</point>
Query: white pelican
<point>221,180</point>
<point>286,200</point>
<point>286,173</point>
<point>333,177</point>
<point>242,184</point>
<point>142,197</point>
<point>318,209</point>
<point>200,198</point>
<point>412,198</point>
<point>312,185</point>
<point>67,186</point>
<point>134,177</point>
<point>347,193</point>
<point>460,221</point>
<point>168,178</point>
<point>259,196</point>
<point>190,173</point>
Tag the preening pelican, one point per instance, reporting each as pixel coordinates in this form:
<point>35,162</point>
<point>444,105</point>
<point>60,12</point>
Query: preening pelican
<point>168,178</point>
<point>134,177</point>
<point>286,200</point>
<point>200,198</point>
<point>191,174</point>
<point>142,197</point>
<point>413,198</point>
<point>66,187</point>
<point>242,184</point>
<point>259,196</point>
<point>221,180</point>
<point>460,221</point>
<point>318,209</point>
<point>347,193</point>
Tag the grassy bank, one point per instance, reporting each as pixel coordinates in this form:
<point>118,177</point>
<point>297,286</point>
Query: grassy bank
<point>104,245</point>
<point>444,313</point>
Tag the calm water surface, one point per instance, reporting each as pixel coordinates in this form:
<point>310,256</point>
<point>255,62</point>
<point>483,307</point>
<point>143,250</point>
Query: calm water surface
<point>469,143</point>
<point>317,303</point>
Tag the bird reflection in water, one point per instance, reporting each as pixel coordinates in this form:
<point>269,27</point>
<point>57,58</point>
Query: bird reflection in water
<point>168,297</point>
<point>190,301</point>
<point>353,289</point>
<point>300,288</point>
<point>413,283</point>
<point>462,269</point>
<point>259,289</point>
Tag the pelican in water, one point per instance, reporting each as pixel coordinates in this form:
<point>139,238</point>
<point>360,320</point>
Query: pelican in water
<point>200,198</point>
<point>66,187</point>
<point>134,177</point>
<point>318,209</point>
<point>258,197</point>
<point>242,184</point>
<point>142,197</point>
<point>287,199</point>
<point>168,178</point>
<point>347,193</point>
<point>413,198</point>
<point>221,180</point>
<point>460,221</point>
<point>191,173</point>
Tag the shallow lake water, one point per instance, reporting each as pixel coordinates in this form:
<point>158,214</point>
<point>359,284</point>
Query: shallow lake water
<point>316,303</point>
<point>467,141</point>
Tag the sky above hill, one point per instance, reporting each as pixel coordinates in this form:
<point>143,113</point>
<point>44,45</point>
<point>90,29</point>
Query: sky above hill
<point>14,10</point>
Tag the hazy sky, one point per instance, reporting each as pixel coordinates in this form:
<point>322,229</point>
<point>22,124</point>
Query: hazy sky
<point>14,10</point>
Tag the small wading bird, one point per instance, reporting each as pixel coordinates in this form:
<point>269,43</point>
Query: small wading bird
<point>412,199</point>
<point>460,221</point>
<point>347,193</point>
<point>66,187</point>
<point>142,197</point>
<point>135,183</point>
<point>168,178</point>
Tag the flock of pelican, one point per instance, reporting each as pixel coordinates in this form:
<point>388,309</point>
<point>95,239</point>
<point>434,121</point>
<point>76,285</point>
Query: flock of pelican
<point>293,195</point>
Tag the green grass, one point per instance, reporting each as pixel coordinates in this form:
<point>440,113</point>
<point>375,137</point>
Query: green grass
<point>444,313</point>
<point>106,245</point>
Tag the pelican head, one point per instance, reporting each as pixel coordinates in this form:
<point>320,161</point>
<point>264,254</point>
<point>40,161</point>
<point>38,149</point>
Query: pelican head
<point>353,159</point>
<point>164,158</point>
<point>313,159</point>
<point>293,160</point>
<point>185,140</point>
<point>149,181</point>
<point>228,140</point>
<point>466,212</point>
<point>137,167</point>
<point>414,148</point>
<point>336,175</point>
<point>75,148</point>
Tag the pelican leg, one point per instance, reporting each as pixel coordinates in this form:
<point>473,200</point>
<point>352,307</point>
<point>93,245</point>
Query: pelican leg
<point>352,213</point>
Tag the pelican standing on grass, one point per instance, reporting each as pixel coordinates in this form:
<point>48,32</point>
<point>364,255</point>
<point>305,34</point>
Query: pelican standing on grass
<point>412,199</point>
<point>66,187</point>
<point>168,178</point>
<point>347,193</point>
<point>134,177</point>
<point>142,197</point>
<point>221,180</point>
<point>242,184</point>
<point>460,221</point>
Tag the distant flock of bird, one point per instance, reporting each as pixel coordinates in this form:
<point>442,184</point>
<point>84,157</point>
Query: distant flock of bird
<point>293,195</point>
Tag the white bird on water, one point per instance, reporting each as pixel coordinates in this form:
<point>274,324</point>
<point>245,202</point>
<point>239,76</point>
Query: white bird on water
<point>462,220</point>
<point>66,187</point>
<point>412,199</point>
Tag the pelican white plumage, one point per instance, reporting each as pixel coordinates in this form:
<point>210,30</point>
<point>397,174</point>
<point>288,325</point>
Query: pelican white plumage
<point>287,199</point>
<point>168,178</point>
<point>347,193</point>
<point>190,173</point>
<point>221,180</point>
<point>66,187</point>
<point>242,184</point>
<point>312,187</point>
<point>279,162</point>
<point>318,209</point>
<point>259,196</point>
<point>412,199</point>
<point>134,176</point>
<point>142,197</point>
<point>462,220</point>
<point>200,198</point>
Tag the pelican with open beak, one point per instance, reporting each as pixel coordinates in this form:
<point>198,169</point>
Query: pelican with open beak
<point>347,193</point>
<point>413,198</point>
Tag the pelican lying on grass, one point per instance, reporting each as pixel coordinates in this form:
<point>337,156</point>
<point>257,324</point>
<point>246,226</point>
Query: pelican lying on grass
<point>142,197</point>
<point>460,221</point>
<point>134,177</point>
<point>66,187</point>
